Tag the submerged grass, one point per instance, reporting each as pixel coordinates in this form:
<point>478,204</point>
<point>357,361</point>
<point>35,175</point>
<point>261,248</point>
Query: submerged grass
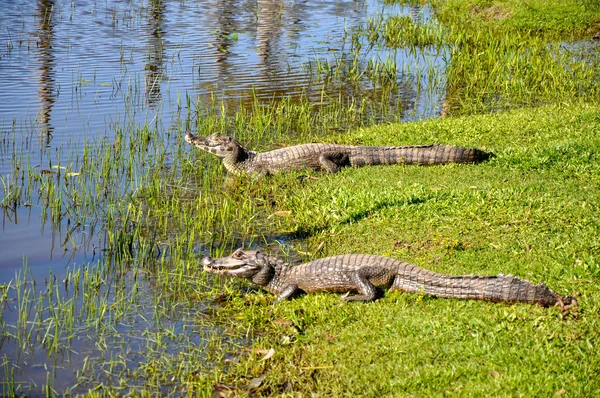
<point>397,31</point>
<point>508,54</point>
<point>497,55</point>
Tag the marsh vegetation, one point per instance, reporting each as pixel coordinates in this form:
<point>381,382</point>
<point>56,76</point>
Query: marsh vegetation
<point>106,210</point>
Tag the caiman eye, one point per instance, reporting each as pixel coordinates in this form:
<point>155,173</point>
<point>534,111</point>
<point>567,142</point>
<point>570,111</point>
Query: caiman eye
<point>238,254</point>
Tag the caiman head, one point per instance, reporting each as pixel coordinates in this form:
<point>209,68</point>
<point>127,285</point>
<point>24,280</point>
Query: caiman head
<point>249,264</point>
<point>219,145</point>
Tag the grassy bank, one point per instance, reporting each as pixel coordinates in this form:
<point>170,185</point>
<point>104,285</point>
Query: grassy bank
<point>531,212</point>
<point>508,54</point>
<point>159,325</point>
<point>554,19</point>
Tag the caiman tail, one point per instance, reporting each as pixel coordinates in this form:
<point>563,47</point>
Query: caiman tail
<point>417,154</point>
<point>499,288</point>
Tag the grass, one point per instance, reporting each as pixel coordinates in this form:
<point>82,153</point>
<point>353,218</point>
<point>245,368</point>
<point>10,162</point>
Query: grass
<point>402,31</point>
<point>507,54</point>
<point>529,212</point>
<point>553,19</point>
<point>160,326</point>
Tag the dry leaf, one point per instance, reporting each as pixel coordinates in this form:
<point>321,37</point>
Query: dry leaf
<point>221,391</point>
<point>269,354</point>
<point>318,249</point>
<point>283,213</point>
<point>256,382</point>
<point>283,322</point>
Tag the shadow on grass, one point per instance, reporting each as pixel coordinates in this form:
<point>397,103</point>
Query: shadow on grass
<point>304,232</point>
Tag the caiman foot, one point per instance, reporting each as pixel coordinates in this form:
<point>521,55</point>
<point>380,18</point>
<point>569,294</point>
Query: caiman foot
<point>357,297</point>
<point>568,305</point>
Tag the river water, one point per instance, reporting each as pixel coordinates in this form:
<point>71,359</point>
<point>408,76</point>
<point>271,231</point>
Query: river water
<point>71,72</point>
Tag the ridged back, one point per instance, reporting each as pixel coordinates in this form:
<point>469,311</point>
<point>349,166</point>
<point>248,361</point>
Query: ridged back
<point>420,154</point>
<point>411,278</point>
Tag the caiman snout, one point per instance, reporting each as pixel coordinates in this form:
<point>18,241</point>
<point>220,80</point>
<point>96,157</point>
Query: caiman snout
<point>194,139</point>
<point>188,137</point>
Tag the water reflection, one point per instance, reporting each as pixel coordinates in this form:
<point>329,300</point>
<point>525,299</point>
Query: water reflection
<point>414,10</point>
<point>154,64</point>
<point>46,69</point>
<point>268,30</point>
<point>226,25</point>
<point>97,56</point>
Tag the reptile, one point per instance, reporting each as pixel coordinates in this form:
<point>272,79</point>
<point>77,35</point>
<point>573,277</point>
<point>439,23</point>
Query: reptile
<point>363,273</point>
<point>329,157</point>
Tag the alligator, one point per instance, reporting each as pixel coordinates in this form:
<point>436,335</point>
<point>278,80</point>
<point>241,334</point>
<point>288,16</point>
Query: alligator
<point>363,273</point>
<point>329,157</point>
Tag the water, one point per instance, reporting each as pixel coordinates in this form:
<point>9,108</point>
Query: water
<point>73,72</point>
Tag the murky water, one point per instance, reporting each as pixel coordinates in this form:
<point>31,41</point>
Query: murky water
<point>72,72</point>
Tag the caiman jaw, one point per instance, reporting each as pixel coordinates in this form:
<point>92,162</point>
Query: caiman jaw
<point>227,266</point>
<point>203,143</point>
<point>213,143</point>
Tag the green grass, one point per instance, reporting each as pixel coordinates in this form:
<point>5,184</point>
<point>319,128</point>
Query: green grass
<point>531,212</point>
<point>508,54</point>
<point>156,202</point>
<point>550,18</point>
<point>499,55</point>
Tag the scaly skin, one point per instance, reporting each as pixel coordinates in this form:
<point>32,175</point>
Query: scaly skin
<point>362,273</point>
<point>329,157</point>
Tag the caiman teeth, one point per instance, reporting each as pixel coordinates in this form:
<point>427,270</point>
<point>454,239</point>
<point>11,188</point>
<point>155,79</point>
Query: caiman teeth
<point>206,261</point>
<point>222,267</point>
<point>210,267</point>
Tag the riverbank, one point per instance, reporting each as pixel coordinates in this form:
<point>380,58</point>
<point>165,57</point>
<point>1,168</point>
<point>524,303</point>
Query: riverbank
<point>530,212</point>
<point>552,19</point>
<point>127,309</point>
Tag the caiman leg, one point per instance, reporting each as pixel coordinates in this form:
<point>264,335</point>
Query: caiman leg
<point>333,161</point>
<point>362,279</point>
<point>286,293</point>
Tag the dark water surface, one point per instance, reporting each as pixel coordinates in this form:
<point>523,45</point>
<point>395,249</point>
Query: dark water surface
<point>72,72</point>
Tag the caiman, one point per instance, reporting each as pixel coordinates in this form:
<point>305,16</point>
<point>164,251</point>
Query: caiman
<point>329,157</point>
<point>363,273</point>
